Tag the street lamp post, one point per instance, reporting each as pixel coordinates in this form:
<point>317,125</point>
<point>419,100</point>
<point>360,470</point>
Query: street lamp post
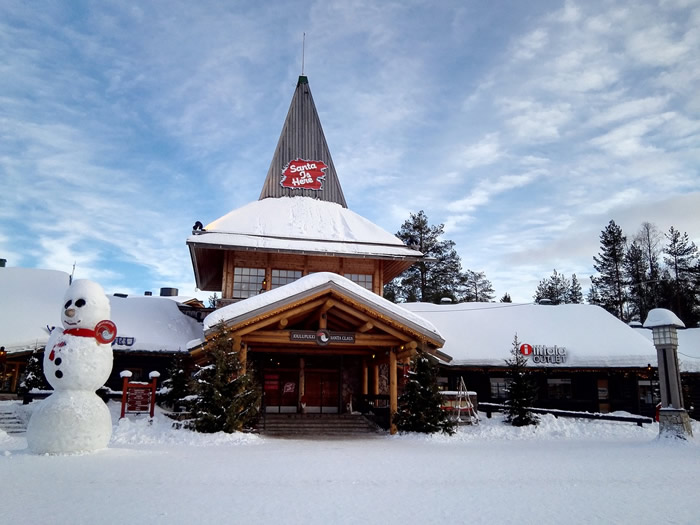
<point>673,419</point>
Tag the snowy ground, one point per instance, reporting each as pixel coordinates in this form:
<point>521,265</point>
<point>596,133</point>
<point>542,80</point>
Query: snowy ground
<point>563,471</point>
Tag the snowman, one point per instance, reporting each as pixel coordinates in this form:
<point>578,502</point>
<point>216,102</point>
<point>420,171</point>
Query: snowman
<point>77,361</point>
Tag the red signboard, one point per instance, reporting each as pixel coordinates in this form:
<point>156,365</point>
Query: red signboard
<point>304,174</point>
<point>138,397</point>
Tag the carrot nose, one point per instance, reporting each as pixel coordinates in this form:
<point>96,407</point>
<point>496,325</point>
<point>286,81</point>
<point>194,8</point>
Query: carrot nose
<point>70,312</point>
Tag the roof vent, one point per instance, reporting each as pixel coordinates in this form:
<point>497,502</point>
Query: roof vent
<point>148,294</point>
<point>546,302</point>
<point>122,295</point>
<point>3,262</point>
<point>446,300</point>
<point>168,292</point>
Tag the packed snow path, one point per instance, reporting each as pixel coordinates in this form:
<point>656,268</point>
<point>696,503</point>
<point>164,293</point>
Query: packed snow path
<point>565,470</point>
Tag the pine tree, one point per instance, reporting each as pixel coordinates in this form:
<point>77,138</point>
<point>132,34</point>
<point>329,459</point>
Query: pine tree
<point>225,399</point>
<point>609,264</point>
<point>427,281</point>
<point>420,405</point>
<point>33,377</point>
<point>521,389</point>
<point>649,240</point>
<point>177,386</point>
<point>506,298</point>
<point>575,295</point>
<point>682,263</point>
<point>476,288</point>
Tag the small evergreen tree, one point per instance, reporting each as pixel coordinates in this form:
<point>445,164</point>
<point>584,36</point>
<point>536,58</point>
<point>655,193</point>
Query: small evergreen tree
<point>575,295</point>
<point>33,376</point>
<point>555,289</point>
<point>521,390</point>
<point>177,386</point>
<point>476,288</point>
<point>224,398</point>
<point>420,405</point>
<point>506,298</point>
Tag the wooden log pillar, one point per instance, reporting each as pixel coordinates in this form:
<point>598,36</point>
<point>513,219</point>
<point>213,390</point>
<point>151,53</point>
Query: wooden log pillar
<point>365,377</point>
<point>302,383</point>
<point>375,386</point>
<point>242,349</point>
<point>393,390</point>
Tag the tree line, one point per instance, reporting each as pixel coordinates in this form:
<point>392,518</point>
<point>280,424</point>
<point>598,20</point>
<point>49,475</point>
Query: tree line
<point>651,270</point>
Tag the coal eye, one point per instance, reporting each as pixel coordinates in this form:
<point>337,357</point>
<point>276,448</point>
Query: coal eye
<point>67,305</point>
<point>80,303</point>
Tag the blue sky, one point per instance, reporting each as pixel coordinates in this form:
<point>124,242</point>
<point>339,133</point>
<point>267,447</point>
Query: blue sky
<point>524,127</point>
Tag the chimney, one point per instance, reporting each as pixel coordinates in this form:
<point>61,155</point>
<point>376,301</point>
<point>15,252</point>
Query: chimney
<point>168,292</point>
<point>148,294</point>
<point>3,262</point>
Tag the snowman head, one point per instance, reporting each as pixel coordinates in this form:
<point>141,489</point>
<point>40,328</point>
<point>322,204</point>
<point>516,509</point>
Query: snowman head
<point>84,305</point>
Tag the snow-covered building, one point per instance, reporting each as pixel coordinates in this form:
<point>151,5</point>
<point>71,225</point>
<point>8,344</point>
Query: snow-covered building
<point>301,277</point>
<point>150,330</point>
<point>582,357</point>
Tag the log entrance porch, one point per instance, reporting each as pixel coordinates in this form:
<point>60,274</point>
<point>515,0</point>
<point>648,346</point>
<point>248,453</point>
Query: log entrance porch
<point>324,344</point>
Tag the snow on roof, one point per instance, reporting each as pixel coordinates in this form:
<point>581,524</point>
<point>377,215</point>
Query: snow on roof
<point>662,317</point>
<point>302,224</point>
<point>152,324</point>
<point>688,347</point>
<point>311,282</point>
<point>30,300</point>
<point>482,333</point>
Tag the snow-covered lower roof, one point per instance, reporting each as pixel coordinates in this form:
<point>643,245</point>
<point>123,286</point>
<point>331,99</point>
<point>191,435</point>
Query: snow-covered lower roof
<point>310,283</point>
<point>302,224</point>
<point>152,324</point>
<point>482,333</point>
<point>30,300</point>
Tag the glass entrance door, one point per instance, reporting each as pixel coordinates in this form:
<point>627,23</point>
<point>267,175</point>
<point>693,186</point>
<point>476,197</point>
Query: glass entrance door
<point>281,391</point>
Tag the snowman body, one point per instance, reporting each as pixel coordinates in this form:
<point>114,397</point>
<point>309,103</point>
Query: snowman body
<point>77,361</point>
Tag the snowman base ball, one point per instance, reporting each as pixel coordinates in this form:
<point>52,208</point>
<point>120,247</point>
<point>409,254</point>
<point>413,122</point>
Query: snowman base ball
<point>69,422</point>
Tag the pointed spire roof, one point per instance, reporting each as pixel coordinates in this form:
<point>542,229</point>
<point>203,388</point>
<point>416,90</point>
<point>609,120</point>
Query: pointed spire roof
<point>302,163</point>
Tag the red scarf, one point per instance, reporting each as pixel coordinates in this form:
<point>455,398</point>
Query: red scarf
<point>80,332</point>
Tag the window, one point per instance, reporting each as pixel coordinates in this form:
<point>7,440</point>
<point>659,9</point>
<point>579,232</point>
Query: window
<point>499,387</point>
<point>247,282</point>
<point>282,277</point>
<point>364,280</point>
<point>559,388</point>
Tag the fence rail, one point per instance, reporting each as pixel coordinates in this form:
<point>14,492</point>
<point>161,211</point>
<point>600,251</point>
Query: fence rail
<point>638,420</point>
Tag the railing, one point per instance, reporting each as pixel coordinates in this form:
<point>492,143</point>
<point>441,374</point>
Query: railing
<point>639,420</point>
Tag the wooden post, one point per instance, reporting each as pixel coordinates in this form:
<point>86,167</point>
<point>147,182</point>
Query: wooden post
<point>302,382</point>
<point>375,387</point>
<point>244,358</point>
<point>365,377</point>
<point>393,394</point>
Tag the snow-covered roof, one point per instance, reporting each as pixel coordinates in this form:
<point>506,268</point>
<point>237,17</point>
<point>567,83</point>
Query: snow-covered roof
<point>152,324</point>
<point>310,283</point>
<point>482,333</point>
<point>30,299</point>
<point>302,224</point>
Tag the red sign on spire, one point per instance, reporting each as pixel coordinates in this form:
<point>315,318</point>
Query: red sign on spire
<point>304,174</point>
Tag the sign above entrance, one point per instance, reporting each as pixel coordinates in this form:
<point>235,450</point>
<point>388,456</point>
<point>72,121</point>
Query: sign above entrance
<point>304,174</point>
<point>553,355</point>
<point>322,337</point>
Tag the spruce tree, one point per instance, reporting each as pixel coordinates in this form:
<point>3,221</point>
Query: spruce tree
<point>635,277</point>
<point>682,263</point>
<point>225,399</point>
<point>574,295</point>
<point>521,389</point>
<point>610,283</point>
<point>506,298</point>
<point>555,289</point>
<point>176,387</point>
<point>420,404</point>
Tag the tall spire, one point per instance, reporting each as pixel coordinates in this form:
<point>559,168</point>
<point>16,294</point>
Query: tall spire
<point>302,163</point>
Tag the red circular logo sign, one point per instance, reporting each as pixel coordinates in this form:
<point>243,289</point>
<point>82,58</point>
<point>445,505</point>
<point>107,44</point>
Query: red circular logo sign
<point>105,332</point>
<point>525,349</point>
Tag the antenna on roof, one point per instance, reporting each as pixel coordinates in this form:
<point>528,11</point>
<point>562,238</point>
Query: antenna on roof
<point>70,279</point>
<point>303,49</point>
